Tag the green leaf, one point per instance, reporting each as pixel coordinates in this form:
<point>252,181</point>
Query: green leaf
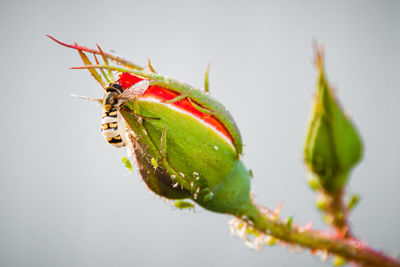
<point>206,80</point>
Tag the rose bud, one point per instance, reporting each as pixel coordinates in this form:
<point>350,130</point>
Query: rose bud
<point>332,144</point>
<point>186,144</point>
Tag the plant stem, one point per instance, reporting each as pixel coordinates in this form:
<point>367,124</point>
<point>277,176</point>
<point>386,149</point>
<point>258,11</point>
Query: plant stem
<point>337,213</point>
<point>351,249</point>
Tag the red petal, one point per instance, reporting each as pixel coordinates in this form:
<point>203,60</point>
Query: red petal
<point>126,80</point>
<point>165,95</point>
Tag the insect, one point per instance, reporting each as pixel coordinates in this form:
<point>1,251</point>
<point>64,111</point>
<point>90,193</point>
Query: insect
<point>180,204</point>
<point>154,163</point>
<point>112,126</point>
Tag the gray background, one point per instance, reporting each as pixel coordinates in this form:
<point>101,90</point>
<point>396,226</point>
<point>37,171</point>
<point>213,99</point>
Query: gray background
<point>67,200</point>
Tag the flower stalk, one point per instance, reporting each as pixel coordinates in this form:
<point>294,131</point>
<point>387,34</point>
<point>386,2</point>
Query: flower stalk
<point>336,213</point>
<point>351,249</point>
<point>332,148</point>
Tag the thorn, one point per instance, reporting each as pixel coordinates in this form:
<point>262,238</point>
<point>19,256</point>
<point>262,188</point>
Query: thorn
<point>206,84</point>
<point>150,66</point>
<point>277,211</point>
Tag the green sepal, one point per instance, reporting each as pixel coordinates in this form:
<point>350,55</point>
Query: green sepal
<point>191,147</point>
<point>232,195</point>
<point>158,179</point>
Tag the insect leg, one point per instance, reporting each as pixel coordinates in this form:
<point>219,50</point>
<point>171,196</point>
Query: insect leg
<point>163,145</point>
<point>176,99</point>
<point>199,108</point>
<point>138,115</point>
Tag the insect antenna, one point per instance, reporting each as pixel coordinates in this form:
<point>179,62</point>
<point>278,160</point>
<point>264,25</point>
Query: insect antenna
<point>100,101</point>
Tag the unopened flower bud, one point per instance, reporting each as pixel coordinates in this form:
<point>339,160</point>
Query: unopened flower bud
<point>186,143</point>
<point>187,146</point>
<point>332,145</point>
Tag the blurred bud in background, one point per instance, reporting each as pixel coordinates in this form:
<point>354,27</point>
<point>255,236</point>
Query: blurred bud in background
<point>332,145</point>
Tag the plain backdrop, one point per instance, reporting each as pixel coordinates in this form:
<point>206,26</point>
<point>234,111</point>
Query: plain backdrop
<point>67,200</point>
